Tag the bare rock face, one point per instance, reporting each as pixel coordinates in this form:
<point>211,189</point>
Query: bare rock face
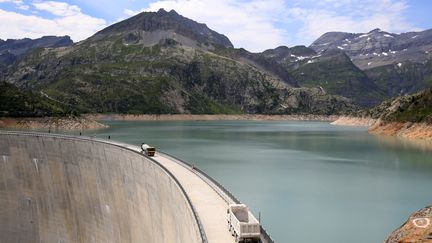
<point>11,49</point>
<point>418,228</point>
<point>155,26</point>
<point>378,48</point>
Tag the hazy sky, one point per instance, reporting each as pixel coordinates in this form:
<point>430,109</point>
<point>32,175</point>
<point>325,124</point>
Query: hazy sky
<point>253,24</point>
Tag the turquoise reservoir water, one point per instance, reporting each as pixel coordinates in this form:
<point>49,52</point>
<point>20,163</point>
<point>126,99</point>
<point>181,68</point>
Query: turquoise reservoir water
<point>312,182</point>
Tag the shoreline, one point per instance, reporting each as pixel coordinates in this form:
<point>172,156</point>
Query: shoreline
<point>190,117</point>
<point>415,132</point>
<point>51,123</point>
<point>418,135</point>
<point>354,121</point>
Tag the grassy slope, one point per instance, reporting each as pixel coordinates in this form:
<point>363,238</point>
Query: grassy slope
<point>408,78</point>
<point>338,75</point>
<point>112,77</point>
<point>16,103</point>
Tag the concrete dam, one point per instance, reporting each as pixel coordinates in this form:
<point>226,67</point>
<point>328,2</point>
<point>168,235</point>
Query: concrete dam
<point>62,189</point>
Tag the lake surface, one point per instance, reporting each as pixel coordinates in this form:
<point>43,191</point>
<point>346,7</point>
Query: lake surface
<point>311,181</point>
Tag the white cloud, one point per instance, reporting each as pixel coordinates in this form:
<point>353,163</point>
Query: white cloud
<point>253,24</point>
<point>58,8</point>
<point>19,4</point>
<point>260,24</point>
<point>249,25</point>
<point>354,16</point>
<point>68,20</point>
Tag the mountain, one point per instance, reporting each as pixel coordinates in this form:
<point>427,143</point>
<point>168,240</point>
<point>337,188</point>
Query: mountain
<point>149,28</point>
<point>161,62</point>
<point>378,48</point>
<point>402,78</point>
<point>397,64</point>
<point>365,67</point>
<point>271,66</point>
<point>11,49</point>
<point>331,70</point>
<point>409,108</point>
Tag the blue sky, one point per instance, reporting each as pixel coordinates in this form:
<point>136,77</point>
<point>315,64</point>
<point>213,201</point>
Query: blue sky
<point>252,24</point>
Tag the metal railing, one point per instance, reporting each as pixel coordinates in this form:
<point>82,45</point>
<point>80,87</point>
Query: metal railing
<point>216,186</point>
<point>91,139</point>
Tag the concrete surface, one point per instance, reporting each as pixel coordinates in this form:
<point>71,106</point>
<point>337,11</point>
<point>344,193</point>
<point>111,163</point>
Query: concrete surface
<point>210,206</point>
<point>68,190</point>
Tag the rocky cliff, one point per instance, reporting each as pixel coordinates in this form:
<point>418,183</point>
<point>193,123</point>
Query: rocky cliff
<point>417,228</point>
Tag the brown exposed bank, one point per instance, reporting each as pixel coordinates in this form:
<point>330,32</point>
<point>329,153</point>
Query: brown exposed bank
<point>408,130</point>
<point>190,117</point>
<point>417,228</point>
<point>51,123</point>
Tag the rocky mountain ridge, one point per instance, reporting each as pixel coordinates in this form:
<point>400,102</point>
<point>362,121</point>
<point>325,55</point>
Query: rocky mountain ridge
<point>149,28</point>
<point>379,48</point>
<point>330,70</point>
<point>161,62</point>
<point>11,49</point>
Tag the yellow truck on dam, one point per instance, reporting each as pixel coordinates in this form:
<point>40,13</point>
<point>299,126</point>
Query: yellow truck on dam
<point>148,150</point>
<point>242,224</point>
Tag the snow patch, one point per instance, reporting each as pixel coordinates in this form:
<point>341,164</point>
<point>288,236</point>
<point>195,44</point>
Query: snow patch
<point>388,36</point>
<point>414,37</point>
<point>340,47</point>
<point>385,53</point>
<point>399,64</point>
<point>369,63</point>
<point>345,44</point>
<point>393,52</point>
<point>301,58</point>
<point>364,35</point>
<point>310,61</point>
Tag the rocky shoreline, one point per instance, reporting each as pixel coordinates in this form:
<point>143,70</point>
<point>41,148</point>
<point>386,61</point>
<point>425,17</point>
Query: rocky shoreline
<point>354,121</point>
<point>417,228</point>
<point>409,130</point>
<point>415,135</point>
<point>189,117</point>
<point>51,123</point>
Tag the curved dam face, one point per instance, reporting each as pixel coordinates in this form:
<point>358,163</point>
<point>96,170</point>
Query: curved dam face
<point>70,190</point>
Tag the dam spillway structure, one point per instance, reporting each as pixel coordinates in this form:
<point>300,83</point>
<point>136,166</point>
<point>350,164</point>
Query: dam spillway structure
<point>56,188</point>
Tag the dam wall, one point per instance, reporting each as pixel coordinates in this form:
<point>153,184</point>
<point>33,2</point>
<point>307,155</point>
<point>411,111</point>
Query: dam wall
<point>60,189</point>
